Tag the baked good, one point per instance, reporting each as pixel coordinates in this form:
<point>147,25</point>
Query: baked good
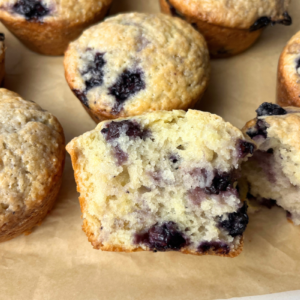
<point>2,58</point>
<point>160,181</point>
<point>134,63</point>
<point>32,160</point>
<point>48,26</point>
<point>272,172</point>
<point>229,26</point>
<point>288,75</point>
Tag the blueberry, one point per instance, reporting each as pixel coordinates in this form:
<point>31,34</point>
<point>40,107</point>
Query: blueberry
<point>130,128</point>
<point>260,23</point>
<point>120,155</point>
<point>265,21</point>
<point>174,159</point>
<point>218,247</point>
<point>270,109</point>
<point>173,10</point>
<point>260,129</point>
<point>162,237</point>
<point>244,148</point>
<point>220,183</point>
<point>128,84</point>
<point>298,65</point>
<point>2,37</point>
<point>81,95</point>
<point>31,9</point>
<point>95,70</point>
<point>235,223</point>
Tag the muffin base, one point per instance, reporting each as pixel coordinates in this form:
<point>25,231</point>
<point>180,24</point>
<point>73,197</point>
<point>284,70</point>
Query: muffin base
<point>24,220</point>
<point>48,38</point>
<point>222,41</point>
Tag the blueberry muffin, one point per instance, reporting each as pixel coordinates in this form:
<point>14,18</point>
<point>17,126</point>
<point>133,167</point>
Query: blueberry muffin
<point>160,181</point>
<point>31,165</point>
<point>288,76</point>
<point>273,172</point>
<point>229,26</point>
<point>48,26</point>
<point>2,58</point>
<point>133,63</point>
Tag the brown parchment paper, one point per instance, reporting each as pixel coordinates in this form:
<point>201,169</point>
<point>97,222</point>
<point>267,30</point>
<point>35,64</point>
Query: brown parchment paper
<point>57,262</point>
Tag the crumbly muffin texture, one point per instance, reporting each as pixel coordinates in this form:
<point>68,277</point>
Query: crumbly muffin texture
<point>137,62</point>
<point>162,181</point>
<point>288,85</point>
<point>32,155</point>
<point>242,14</point>
<point>273,171</point>
<point>75,11</point>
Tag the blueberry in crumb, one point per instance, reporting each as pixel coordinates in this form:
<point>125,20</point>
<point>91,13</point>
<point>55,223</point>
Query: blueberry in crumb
<point>162,237</point>
<point>218,247</point>
<point>128,84</point>
<point>244,148</point>
<point>82,97</point>
<point>131,129</point>
<point>220,183</point>
<point>270,109</point>
<point>95,70</point>
<point>235,223</point>
<point>260,129</point>
<point>31,9</point>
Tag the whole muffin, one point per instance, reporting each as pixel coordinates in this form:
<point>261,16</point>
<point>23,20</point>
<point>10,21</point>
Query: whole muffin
<point>133,63</point>
<point>162,181</point>
<point>229,26</point>
<point>32,160</point>
<point>48,26</point>
<point>288,76</point>
<point>2,58</point>
<point>273,172</point>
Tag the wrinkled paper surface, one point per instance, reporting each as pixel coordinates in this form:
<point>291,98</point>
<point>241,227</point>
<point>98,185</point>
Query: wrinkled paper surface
<point>57,262</point>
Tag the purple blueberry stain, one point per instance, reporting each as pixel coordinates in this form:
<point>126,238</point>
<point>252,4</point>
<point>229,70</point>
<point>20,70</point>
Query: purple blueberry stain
<point>128,84</point>
<point>217,247</point>
<point>259,130</point>
<point>132,129</point>
<point>197,195</point>
<point>235,223</point>
<point>120,155</point>
<point>270,109</point>
<point>162,237</point>
<point>175,160</point>
<point>32,10</point>
<point>265,160</point>
<point>244,148</point>
<point>82,97</point>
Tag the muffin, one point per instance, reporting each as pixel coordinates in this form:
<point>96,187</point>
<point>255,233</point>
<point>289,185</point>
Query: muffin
<point>2,58</point>
<point>229,27</point>
<point>48,26</point>
<point>134,63</point>
<point>288,76</point>
<point>32,160</point>
<point>161,181</point>
<point>272,172</point>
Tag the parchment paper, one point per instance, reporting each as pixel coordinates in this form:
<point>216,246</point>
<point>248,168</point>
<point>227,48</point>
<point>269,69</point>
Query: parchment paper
<point>57,262</point>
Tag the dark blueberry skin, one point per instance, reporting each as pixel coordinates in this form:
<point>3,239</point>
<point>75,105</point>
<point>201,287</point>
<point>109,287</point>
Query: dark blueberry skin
<point>128,84</point>
<point>32,10</point>
<point>217,247</point>
<point>270,109</point>
<point>132,129</point>
<point>260,129</point>
<point>162,237</point>
<point>265,21</point>
<point>244,148</point>
<point>220,183</point>
<point>236,222</point>
<point>297,64</point>
<point>82,97</point>
<point>2,37</point>
<point>95,69</point>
